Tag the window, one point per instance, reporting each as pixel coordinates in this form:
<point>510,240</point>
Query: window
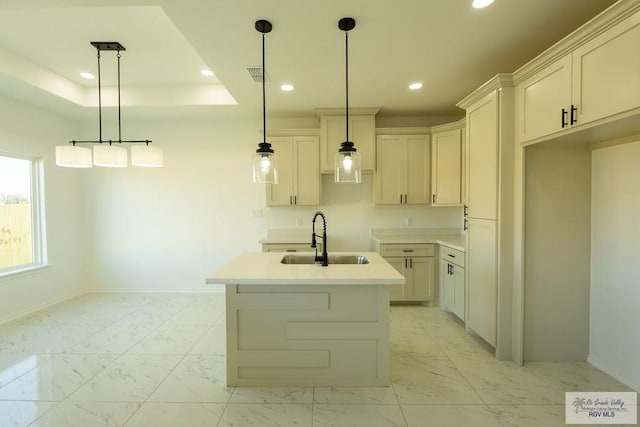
<point>21,240</point>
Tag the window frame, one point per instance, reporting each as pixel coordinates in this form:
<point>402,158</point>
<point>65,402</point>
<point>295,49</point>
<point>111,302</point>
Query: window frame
<point>38,235</point>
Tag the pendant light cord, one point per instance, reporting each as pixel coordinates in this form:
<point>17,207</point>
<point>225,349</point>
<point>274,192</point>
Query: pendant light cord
<point>119,119</point>
<point>346,49</point>
<point>99,100</point>
<point>264,102</point>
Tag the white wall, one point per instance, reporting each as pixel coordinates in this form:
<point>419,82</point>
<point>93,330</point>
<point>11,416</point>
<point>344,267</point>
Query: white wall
<point>167,229</point>
<point>557,254</point>
<point>615,262</point>
<point>27,130</point>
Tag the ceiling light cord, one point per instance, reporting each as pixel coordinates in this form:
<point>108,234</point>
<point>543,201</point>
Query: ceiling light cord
<point>119,116</point>
<point>264,96</point>
<point>99,101</point>
<point>346,49</point>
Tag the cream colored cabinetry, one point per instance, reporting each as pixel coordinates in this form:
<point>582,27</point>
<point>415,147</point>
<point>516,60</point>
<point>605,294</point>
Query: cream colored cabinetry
<point>489,248</point>
<point>597,80</point>
<point>446,167</point>
<point>416,262</point>
<point>298,172</point>
<point>402,173</point>
<point>362,132</point>
<point>452,280</point>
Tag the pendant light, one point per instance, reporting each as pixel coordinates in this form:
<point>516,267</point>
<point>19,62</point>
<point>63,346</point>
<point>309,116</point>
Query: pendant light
<point>105,153</point>
<point>348,162</point>
<point>263,162</point>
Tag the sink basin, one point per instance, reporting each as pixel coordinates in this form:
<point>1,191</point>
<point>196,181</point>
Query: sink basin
<point>333,259</point>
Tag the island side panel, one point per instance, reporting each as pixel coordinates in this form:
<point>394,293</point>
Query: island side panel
<point>306,335</point>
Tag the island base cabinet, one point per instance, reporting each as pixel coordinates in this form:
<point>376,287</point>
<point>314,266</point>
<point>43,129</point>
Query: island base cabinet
<point>307,335</point>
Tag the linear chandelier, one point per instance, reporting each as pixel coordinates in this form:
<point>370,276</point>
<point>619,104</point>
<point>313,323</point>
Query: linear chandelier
<point>105,153</point>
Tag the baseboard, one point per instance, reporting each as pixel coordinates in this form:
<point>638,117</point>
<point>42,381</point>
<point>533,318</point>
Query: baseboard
<point>210,289</point>
<point>40,307</point>
<point>604,368</point>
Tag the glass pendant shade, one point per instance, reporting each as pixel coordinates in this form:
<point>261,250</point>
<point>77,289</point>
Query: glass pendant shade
<point>147,156</point>
<point>348,168</point>
<point>72,156</point>
<point>109,156</point>
<point>265,168</point>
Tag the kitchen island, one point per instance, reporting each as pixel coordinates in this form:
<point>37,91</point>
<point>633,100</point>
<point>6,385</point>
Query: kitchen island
<point>304,324</point>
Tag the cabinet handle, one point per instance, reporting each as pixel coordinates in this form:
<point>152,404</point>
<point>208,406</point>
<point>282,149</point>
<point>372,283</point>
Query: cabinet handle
<point>574,114</point>
<point>466,224</point>
<point>564,118</point>
<point>433,198</point>
<point>410,262</point>
<point>466,210</point>
<point>405,263</point>
<point>407,250</point>
<point>452,256</point>
<point>401,199</point>
<point>295,200</point>
<point>291,250</point>
<point>290,200</point>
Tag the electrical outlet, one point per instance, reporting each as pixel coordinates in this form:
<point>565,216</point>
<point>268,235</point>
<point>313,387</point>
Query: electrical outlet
<point>256,213</point>
<point>409,222</point>
<point>299,222</point>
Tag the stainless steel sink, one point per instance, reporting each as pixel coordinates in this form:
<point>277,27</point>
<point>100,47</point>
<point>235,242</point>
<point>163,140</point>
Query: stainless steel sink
<point>333,259</point>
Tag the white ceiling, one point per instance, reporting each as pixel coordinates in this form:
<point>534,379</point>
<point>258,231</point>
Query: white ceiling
<point>446,44</point>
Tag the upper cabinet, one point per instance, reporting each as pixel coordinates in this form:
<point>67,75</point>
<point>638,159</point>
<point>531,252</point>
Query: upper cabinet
<point>362,132</point>
<point>402,172</point>
<point>596,80</point>
<point>298,171</point>
<point>446,164</point>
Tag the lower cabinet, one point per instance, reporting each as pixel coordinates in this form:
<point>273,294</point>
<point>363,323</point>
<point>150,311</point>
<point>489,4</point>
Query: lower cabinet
<point>416,262</point>
<point>452,280</point>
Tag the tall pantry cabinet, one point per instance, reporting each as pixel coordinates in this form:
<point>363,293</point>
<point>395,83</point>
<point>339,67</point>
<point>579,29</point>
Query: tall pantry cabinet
<point>489,183</point>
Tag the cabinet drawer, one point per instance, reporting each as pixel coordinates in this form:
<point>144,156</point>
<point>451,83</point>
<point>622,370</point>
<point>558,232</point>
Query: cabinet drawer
<point>410,250</point>
<point>454,256</point>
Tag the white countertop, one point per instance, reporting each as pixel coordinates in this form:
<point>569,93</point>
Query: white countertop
<point>265,268</point>
<point>399,236</point>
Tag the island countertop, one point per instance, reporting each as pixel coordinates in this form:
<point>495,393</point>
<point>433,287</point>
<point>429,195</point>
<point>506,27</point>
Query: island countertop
<point>265,268</point>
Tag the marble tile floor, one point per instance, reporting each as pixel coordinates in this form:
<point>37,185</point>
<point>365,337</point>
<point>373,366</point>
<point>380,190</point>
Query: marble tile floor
<point>159,360</point>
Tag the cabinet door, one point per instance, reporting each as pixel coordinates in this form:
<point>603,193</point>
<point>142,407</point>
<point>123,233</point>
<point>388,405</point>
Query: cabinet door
<point>362,133</point>
<point>417,170</point>
<point>307,171</point>
<point>606,72</point>
<point>482,277</point>
<point>391,170</point>
<point>397,292</point>
<point>446,168</point>
<point>482,160</point>
<point>540,100</point>
<point>423,274</point>
<point>281,194</point>
<point>446,284</point>
<point>458,290</point>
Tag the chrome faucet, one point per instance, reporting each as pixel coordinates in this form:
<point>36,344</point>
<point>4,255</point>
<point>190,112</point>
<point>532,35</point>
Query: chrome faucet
<point>325,257</point>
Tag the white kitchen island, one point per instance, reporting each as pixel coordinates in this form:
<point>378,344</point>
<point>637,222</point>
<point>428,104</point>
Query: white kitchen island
<point>307,325</point>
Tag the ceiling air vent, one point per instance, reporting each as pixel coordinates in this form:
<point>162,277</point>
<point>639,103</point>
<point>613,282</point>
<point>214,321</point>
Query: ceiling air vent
<point>255,72</point>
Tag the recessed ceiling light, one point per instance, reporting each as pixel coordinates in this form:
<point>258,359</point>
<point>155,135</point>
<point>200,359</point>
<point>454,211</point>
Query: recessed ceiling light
<point>86,75</point>
<point>206,73</point>
<point>415,86</point>
<point>287,87</point>
<point>479,4</point>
